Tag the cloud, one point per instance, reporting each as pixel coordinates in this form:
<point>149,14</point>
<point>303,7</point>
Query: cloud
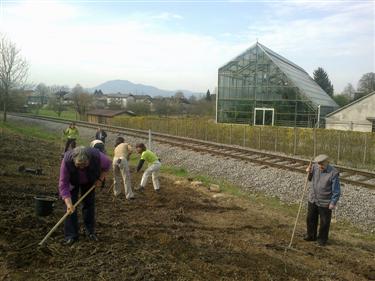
<point>66,46</point>
<point>167,16</point>
<point>75,51</point>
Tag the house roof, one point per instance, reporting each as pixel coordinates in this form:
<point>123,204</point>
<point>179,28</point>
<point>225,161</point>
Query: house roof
<point>350,104</point>
<point>296,74</point>
<point>106,112</point>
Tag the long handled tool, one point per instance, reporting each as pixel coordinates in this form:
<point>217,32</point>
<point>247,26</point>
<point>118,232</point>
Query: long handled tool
<point>65,216</point>
<point>299,209</point>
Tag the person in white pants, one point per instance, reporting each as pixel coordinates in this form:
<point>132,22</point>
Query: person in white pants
<point>121,168</point>
<point>153,169</point>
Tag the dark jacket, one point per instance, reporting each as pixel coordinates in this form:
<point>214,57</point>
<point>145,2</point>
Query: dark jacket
<point>101,135</point>
<point>92,171</point>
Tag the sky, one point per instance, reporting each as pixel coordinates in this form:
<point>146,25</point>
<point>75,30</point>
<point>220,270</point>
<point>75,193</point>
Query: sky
<point>181,44</point>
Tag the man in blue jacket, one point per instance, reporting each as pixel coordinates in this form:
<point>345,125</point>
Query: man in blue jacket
<point>323,197</point>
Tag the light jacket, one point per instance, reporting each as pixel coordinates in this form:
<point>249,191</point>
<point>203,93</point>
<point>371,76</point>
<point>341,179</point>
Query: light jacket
<point>71,133</point>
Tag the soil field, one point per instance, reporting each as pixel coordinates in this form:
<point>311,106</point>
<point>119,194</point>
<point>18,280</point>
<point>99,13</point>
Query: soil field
<point>184,233</point>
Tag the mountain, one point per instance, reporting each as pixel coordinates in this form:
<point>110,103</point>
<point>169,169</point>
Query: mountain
<point>126,87</point>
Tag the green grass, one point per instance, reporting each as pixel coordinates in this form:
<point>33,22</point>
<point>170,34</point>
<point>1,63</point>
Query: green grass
<point>31,131</point>
<point>68,114</point>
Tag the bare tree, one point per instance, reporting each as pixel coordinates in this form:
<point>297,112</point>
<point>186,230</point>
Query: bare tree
<point>56,100</point>
<point>42,91</point>
<point>82,100</point>
<point>366,84</point>
<point>13,71</point>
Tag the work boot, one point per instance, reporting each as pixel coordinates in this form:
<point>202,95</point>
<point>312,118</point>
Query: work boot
<point>309,238</point>
<point>140,189</point>
<point>70,241</point>
<point>322,243</point>
<point>93,237</point>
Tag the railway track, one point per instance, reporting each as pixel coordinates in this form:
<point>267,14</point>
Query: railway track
<point>347,175</point>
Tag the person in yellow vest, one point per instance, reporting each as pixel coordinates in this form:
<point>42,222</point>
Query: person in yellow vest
<point>120,166</point>
<point>153,169</point>
<point>71,133</point>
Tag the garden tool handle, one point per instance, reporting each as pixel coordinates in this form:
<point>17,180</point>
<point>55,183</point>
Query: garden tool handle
<point>65,216</point>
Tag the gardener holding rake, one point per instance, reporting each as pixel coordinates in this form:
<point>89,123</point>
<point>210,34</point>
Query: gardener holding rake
<point>80,169</point>
<point>323,197</point>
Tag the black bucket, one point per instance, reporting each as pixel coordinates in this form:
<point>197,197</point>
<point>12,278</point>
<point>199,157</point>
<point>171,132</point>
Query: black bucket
<point>44,205</point>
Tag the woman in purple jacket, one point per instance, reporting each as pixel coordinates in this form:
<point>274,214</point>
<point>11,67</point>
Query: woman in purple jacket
<point>80,169</point>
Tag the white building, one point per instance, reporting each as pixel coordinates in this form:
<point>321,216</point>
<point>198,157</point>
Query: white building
<point>356,116</point>
<point>121,99</point>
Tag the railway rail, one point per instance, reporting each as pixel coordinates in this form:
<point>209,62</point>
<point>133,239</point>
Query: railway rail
<point>347,175</point>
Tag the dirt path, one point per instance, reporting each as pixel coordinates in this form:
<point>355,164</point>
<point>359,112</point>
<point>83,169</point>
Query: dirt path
<point>182,234</point>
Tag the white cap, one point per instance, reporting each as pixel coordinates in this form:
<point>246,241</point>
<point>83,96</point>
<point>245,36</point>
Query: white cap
<point>321,158</point>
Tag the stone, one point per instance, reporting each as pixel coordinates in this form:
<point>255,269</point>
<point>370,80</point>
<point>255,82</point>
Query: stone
<point>197,183</point>
<point>214,188</point>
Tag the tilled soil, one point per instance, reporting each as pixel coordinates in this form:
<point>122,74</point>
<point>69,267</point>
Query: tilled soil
<point>184,233</point>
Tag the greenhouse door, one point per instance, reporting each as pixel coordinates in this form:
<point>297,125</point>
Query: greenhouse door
<point>264,116</point>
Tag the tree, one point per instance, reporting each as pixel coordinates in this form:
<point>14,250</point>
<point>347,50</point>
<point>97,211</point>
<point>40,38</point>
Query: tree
<point>321,77</point>
<point>13,71</point>
<point>349,91</point>
<point>56,100</point>
<point>42,91</point>
<point>179,95</point>
<point>366,84</point>
<point>208,95</point>
<point>139,108</point>
<point>342,99</point>
<point>81,100</point>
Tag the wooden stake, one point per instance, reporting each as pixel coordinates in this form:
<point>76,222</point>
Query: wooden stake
<point>299,209</point>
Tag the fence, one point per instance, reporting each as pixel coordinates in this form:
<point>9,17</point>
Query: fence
<point>354,149</point>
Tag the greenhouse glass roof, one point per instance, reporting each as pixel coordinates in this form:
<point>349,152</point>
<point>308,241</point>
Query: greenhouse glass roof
<point>297,76</point>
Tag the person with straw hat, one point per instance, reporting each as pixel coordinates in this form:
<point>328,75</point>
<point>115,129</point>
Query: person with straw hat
<point>323,196</point>
<point>80,169</point>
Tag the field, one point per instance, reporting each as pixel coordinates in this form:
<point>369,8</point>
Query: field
<point>185,233</point>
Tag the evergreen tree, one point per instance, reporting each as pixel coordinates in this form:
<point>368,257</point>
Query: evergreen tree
<point>322,79</point>
<point>208,95</point>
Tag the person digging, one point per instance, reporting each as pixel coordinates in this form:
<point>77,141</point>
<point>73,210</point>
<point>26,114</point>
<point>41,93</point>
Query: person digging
<point>153,168</point>
<point>323,196</point>
<point>80,169</point>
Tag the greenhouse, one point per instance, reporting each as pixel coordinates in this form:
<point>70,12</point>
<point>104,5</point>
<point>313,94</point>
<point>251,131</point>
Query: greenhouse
<point>260,87</point>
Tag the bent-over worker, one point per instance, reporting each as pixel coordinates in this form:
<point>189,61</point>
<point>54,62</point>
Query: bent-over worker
<point>323,197</point>
<point>80,169</point>
<point>120,166</point>
<point>153,169</point>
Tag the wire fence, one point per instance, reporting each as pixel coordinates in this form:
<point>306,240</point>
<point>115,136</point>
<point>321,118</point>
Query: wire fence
<point>349,148</point>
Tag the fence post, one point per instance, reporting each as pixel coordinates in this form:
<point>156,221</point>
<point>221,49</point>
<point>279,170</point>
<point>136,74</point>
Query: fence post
<point>217,132</point>
<point>295,141</point>
<point>338,147</point>
<point>365,150</point>
<point>186,123</point>
<point>205,134</point>
<point>276,138</point>
<point>260,138</point>
<point>314,141</point>
<point>230,134</point>
<point>244,136</point>
<point>149,139</point>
